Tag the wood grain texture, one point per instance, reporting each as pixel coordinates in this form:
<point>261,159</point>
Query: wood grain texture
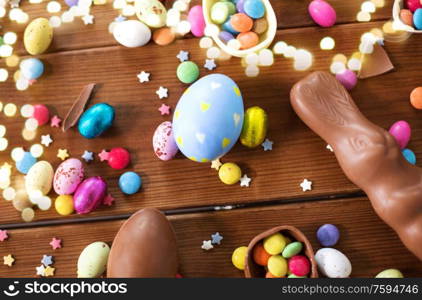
<point>365,239</point>
<point>76,35</point>
<point>298,153</point>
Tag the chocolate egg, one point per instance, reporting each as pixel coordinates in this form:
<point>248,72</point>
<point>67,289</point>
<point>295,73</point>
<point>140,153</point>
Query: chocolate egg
<point>163,141</point>
<point>145,246</point>
<point>68,176</point>
<point>95,120</point>
<point>89,194</point>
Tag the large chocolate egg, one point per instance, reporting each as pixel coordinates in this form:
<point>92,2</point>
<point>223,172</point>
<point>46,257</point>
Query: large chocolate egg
<point>144,247</point>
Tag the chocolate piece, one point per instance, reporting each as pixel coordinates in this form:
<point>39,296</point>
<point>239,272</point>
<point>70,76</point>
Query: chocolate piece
<point>369,156</point>
<point>252,270</point>
<point>376,63</point>
<point>78,107</point>
<point>144,247</point>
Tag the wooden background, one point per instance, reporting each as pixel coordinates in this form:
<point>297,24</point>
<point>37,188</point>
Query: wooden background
<point>188,191</point>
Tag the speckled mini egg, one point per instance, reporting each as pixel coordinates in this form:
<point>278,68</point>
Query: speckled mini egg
<point>151,12</point>
<point>68,176</point>
<point>208,118</point>
<point>38,35</point>
<point>39,177</point>
<point>163,142</point>
<point>93,259</point>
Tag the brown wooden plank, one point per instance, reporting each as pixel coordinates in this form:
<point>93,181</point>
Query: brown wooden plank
<point>297,154</point>
<point>365,239</point>
<point>76,35</point>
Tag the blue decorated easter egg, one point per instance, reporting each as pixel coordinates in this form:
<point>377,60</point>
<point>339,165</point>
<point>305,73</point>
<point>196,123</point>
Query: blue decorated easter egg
<point>31,68</point>
<point>208,118</point>
<point>95,120</point>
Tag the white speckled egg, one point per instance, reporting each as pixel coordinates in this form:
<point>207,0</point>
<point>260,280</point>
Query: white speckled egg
<point>132,33</point>
<point>332,263</point>
<point>151,12</point>
<point>93,259</point>
<point>163,142</point>
<point>39,177</point>
<point>208,118</point>
<point>68,176</point>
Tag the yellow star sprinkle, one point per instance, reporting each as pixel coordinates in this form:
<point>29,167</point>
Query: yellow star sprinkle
<point>176,114</point>
<point>179,140</point>
<point>193,158</point>
<point>216,164</point>
<point>8,260</point>
<point>225,142</point>
<point>49,271</point>
<point>62,154</point>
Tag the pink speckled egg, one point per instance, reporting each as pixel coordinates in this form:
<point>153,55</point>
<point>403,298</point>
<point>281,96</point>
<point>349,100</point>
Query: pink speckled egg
<point>163,142</point>
<point>196,20</point>
<point>68,176</point>
<point>347,78</point>
<point>401,131</point>
<point>322,13</point>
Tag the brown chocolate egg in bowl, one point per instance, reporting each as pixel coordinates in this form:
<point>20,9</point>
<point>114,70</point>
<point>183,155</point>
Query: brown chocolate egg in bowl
<point>253,270</point>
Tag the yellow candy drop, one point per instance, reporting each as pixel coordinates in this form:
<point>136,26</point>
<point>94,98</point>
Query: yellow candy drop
<point>229,173</point>
<point>64,205</point>
<point>238,257</point>
<point>274,244</point>
<point>277,266</point>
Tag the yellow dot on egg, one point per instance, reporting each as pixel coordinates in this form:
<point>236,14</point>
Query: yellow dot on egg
<point>3,144</point>
<point>36,150</point>
<point>2,130</point>
<point>4,74</point>
<point>17,153</point>
<point>179,140</point>
<point>236,90</point>
<point>12,61</point>
<point>193,158</point>
<point>28,135</point>
<point>10,109</point>
<point>225,142</point>
<point>204,106</point>
<point>205,160</point>
<point>177,115</point>
<point>327,43</point>
<point>340,58</point>
<point>363,16</point>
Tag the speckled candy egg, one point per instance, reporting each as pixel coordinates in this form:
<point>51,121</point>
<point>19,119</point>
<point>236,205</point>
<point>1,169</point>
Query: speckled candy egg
<point>132,33</point>
<point>163,142</point>
<point>68,176</point>
<point>151,12</point>
<point>38,35</point>
<point>208,118</point>
<point>93,260</point>
<point>332,263</point>
<point>39,177</point>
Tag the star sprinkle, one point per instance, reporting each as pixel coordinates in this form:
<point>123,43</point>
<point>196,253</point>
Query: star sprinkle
<point>56,243</point>
<point>162,92</point>
<point>210,64</point>
<point>330,148</point>
<point>108,200</point>
<point>88,19</point>
<point>216,238</point>
<point>206,245</point>
<point>120,18</point>
<point>55,121</point>
<point>103,155</point>
<point>8,260</point>
<point>40,270</point>
<point>62,154</point>
<point>88,156</point>
<point>164,109</point>
<point>183,56</point>
<point>306,185</point>
<point>245,180</point>
<point>216,164</point>
<point>143,76</point>
<point>49,271</point>
<point>3,235</point>
<point>268,145</point>
<point>46,140</point>
<point>47,260</point>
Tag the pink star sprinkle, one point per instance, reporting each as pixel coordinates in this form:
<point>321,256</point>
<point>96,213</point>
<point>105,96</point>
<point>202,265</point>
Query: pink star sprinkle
<point>108,200</point>
<point>56,243</point>
<point>164,109</point>
<point>3,235</point>
<point>103,155</point>
<point>55,121</point>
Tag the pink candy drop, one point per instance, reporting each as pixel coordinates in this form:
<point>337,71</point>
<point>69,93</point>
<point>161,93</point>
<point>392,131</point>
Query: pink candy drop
<point>196,20</point>
<point>322,13</point>
<point>347,78</point>
<point>401,132</point>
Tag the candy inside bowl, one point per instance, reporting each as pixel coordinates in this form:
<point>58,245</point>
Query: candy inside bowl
<point>399,23</point>
<point>264,39</point>
<point>291,235</point>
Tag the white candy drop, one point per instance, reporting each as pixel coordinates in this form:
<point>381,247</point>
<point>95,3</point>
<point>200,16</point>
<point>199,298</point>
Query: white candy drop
<point>206,42</point>
<point>252,71</point>
<point>279,48</point>
<point>213,52</point>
